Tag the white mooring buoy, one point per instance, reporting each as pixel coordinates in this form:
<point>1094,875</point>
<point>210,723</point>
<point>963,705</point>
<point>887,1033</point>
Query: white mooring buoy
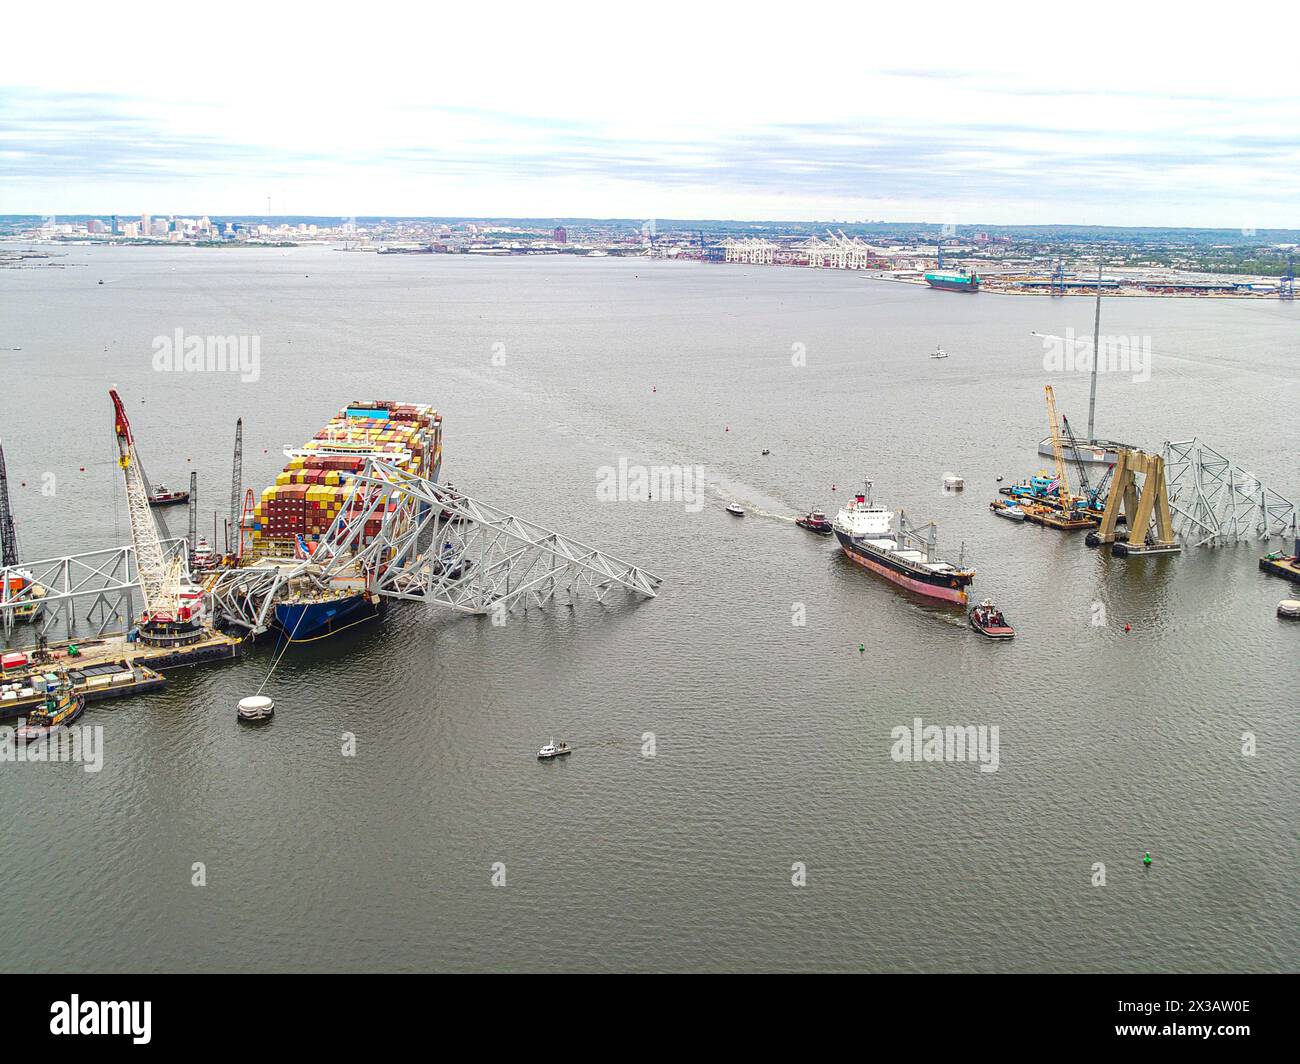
<point>256,707</point>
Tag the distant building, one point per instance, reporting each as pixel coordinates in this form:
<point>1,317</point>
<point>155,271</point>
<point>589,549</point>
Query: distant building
<point>95,226</point>
<point>117,229</point>
<point>561,235</point>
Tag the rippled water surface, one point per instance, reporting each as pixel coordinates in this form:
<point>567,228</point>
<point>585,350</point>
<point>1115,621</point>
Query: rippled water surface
<point>772,739</point>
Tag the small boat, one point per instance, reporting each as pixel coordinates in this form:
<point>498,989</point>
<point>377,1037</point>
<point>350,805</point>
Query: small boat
<point>163,496</point>
<point>766,451</point>
<point>1008,510</point>
<point>987,619</point>
<point>553,750</point>
<point>256,708</point>
<point>62,707</point>
<point>815,521</point>
<point>938,352</point>
<point>736,509</point>
<point>953,483</point>
<point>1290,609</point>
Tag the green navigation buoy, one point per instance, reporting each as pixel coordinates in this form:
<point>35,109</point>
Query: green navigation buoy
<point>862,648</point>
<point>1146,858</point>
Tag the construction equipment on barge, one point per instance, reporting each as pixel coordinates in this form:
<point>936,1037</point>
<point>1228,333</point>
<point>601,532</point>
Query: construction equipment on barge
<point>173,609</point>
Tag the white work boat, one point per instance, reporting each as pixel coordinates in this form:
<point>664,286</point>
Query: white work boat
<point>736,509</point>
<point>553,750</point>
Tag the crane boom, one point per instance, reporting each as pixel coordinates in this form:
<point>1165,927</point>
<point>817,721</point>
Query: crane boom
<point>159,581</point>
<point>237,483</point>
<point>1062,479</point>
<point>8,537</point>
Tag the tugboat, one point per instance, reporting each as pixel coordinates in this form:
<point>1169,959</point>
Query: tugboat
<point>938,352</point>
<point>553,750</point>
<point>735,509</point>
<point>62,707</point>
<point>867,537</point>
<point>815,521</point>
<point>161,495</point>
<point>988,620</point>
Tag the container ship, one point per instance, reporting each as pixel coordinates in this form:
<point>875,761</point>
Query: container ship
<point>954,281</point>
<point>866,534</point>
<point>310,495</point>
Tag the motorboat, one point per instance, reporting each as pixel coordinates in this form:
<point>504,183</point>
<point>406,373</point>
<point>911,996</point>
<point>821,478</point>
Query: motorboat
<point>553,750</point>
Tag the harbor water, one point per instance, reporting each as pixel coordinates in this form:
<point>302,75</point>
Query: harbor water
<point>731,737</point>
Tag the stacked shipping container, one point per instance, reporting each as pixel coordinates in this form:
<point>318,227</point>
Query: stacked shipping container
<point>309,496</point>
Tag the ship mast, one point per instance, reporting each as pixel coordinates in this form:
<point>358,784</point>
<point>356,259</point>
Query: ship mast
<point>159,581</point>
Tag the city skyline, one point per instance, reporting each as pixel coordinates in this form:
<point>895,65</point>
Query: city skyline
<point>694,117</point>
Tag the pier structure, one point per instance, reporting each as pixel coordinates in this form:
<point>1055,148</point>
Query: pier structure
<point>435,544</point>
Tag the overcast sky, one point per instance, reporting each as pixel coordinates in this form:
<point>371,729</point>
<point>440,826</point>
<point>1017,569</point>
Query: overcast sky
<point>992,112</point>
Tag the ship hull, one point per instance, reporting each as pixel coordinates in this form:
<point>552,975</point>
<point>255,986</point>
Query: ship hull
<point>932,585</point>
<point>945,285</point>
<point>305,621</point>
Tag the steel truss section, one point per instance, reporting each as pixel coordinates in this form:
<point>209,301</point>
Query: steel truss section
<point>1216,502</point>
<point>107,578</point>
<point>433,544</point>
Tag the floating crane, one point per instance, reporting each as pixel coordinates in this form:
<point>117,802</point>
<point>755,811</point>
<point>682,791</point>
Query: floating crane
<point>1072,513</point>
<point>166,620</point>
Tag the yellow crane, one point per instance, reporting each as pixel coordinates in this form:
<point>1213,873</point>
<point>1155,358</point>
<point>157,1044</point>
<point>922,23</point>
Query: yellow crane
<point>1062,480</point>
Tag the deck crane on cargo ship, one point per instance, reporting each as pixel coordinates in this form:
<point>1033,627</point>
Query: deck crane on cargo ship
<point>166,619</point>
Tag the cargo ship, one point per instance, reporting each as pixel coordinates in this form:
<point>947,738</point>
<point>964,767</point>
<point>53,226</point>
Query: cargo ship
<point>954,280</point>
<point>866,534</point>
<point>310,496</point>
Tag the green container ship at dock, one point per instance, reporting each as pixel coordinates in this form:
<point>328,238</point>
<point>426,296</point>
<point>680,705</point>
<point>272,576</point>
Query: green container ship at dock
<point>959,281</point>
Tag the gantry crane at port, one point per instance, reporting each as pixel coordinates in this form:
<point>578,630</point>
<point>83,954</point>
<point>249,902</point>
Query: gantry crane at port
<point>160,576</point>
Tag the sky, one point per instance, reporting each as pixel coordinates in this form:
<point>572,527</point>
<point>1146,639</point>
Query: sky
<point>1002,113</point>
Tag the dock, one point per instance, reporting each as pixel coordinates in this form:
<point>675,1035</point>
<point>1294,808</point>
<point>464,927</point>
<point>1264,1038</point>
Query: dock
<point>111,667</point>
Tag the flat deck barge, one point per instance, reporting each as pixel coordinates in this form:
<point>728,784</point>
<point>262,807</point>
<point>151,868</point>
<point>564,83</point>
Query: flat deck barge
<point>1287,568</point>
<point>105,668</point>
